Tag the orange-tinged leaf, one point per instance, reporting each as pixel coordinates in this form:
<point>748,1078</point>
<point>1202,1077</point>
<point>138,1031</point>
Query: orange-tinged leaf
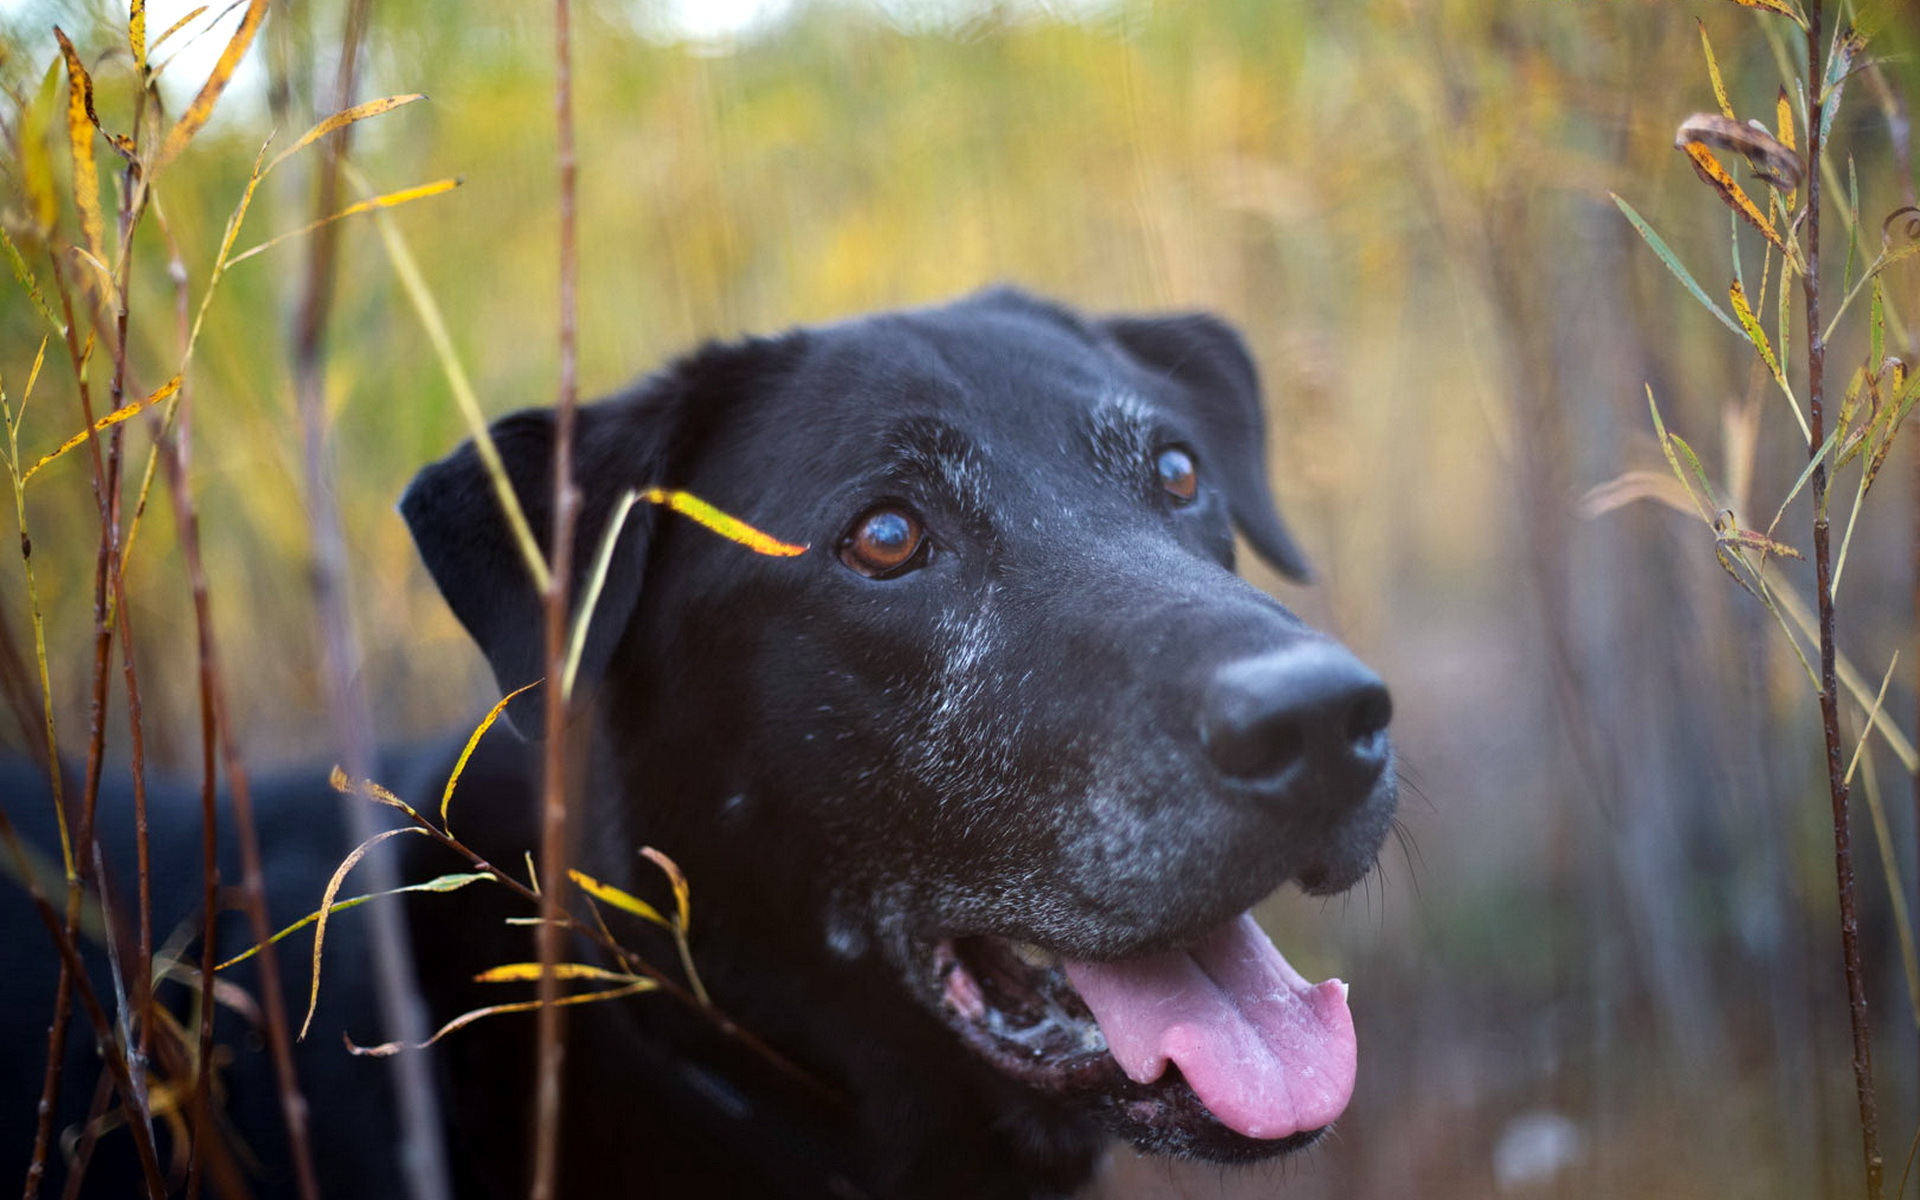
<point>201,109</point>
<point>341,120</point>
<point>1783,119</point>
<point>465,1019</point>
<point>1743,312</point>
<point>86,175</point>
<point>1758,541</point>
<point>473,741</point>
<point>1773,6</point>
<point>326,908</point>
<point>1708,168</point>
<point>107,422</point>
<point>1713,71</point>
<point>608,894</point>
<point>1773,162</point>
<point>682,894</point>
<point>372,791</point>
<point>731,528</point>
<point>529,972</point>
<point>387,201</point>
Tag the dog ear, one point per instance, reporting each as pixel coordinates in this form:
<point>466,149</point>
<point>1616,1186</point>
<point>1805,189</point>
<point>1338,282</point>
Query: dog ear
<point>1205,355</point>
<point>629,442</point>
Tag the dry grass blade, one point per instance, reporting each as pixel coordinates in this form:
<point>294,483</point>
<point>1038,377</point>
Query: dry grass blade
<point>682,894</point>
<point>465,1019</point>
<point>341,120</point>
<point>197,113</point>
<point>326,906</point>
<point>113,418</point>
<point>390,200</point>
<point>86,174</point>
<point>624,901</point>
<point>473,742</point>
<point>443,883</point>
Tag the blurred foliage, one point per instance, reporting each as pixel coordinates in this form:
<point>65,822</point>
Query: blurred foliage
<point>1617,909</point>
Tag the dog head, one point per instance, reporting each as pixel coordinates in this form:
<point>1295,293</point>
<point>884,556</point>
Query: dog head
<point>1011,725</point>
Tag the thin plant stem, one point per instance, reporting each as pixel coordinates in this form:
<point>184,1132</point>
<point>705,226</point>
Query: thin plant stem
<point>1829,684</point>
<point>566,502</point>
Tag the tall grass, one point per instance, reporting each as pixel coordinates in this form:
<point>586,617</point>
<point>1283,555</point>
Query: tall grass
<point>1622,913</point>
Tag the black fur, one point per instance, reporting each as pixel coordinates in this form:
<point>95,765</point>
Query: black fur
<point>1038,732</point>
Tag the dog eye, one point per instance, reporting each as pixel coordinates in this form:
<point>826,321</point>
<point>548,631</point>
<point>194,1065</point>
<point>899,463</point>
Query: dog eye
<point>885,542</point>
<point>1178,477</point>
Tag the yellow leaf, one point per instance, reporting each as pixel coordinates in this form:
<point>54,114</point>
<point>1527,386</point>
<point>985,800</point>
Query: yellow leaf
<point>86,176</point>
<point>372,791</point>
<point>176,27</point>
<point>107,422</point>
<point>1743,312</point>
<point>202,107</point>
<point>609,894</point>
<point>682,894</point>
<point>341,120</point>
<point>1773,6</point>
<point>529,972</point>
<point>731,528</point>
<point>1708,168</point>
<point>387,201</point>
<point>137,34</point>
<point>1713,71</point>
<point>493,714</point>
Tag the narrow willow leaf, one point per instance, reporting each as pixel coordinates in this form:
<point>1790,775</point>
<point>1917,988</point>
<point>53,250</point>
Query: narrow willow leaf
<point>137,34</point>
<point>390,200</point>
<point>1848,43</point>
<point>473,740</point>
<point>372,791</point>
<point>326,907</point>
<point>1775,6</point>
<point>341,120</point>
<point>176,27</point>
<point>1783,129</point>
<point>387,1049</point>
<point>1877,327</point>
<point>201,109</point>
<point>86,174</point>
<point>1866,727</point>
<point>1672,261</point>
<point>682,894</point>
<point>529,972</point>
<point>22,273</point>
<point>107,422</point>
<point>731,528</point>
<point>1713,71</point>
<point>1708,168</point>
<point>445,883</point>
<point>1806,473</point>
<point>1759,541</point>
<point>609,894</point>
<point>1699,472</point>
<point>1772,160</point>
<point>1755,334</point>
<point>1673,460</point>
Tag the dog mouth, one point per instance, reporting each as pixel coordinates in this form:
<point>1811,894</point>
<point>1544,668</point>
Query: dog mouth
<point>1219,1050</point>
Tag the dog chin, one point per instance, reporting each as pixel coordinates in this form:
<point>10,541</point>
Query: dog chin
<point>1217,1050</point>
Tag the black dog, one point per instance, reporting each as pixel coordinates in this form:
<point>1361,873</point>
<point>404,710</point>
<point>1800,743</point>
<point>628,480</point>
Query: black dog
<point>974,795</point>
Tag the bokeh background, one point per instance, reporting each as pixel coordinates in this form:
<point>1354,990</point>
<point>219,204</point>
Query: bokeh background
<point>1603,961</point>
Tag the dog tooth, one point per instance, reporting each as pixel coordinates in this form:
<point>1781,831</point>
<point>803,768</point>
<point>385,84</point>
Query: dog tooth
<point>1034,956</point>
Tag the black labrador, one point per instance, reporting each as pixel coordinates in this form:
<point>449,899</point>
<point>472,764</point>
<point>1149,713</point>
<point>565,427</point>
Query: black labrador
<point>974,794</point>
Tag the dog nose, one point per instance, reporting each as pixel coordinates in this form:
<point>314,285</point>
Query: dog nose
<point>1313,703</point>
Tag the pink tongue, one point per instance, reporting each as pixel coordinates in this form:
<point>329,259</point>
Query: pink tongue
<point>1268,1053</point>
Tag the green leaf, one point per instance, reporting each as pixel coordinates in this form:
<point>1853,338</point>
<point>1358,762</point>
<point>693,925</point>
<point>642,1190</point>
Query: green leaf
<point>1667,256</point>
